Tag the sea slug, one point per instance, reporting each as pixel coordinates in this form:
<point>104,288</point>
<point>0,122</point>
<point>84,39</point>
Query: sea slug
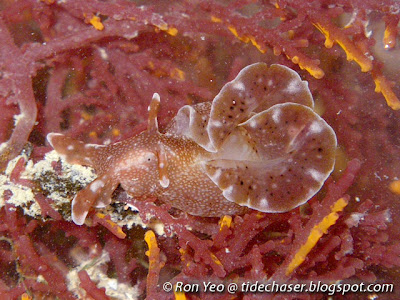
<point>258,145</point>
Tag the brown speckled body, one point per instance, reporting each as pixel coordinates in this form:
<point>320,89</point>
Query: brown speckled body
<point>258,145</point>
<point>190,189</point>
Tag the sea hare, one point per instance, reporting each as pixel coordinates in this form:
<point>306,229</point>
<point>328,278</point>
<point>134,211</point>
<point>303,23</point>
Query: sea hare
<point>258,145</point>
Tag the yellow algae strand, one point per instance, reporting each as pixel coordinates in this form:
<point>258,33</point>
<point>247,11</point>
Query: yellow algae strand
<point>316,233</point>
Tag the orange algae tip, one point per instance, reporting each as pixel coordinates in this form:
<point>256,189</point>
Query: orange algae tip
<point>178,74</point>
<point>334,34</point>
<point>85,116</point>
<point>258,145</point>
<point>306,64</point>
<point>390,34</point>
<point>150,239</point>
<point>383,86</point>
<point>315,234</point>
<point>215,259</point>
<point>172,31</point>
<point>110,225</point>
<point>93,134</point>
<point>216,19</point>
<point>25,296</point>
<point>277,51</point>
<point>179,295</point>
<point>116,132</point>
<point>164,27</point>
<point>295,59</point>
<point>389,39</point>
<point>155,264</point>
<point>316,72</point>
<point>246,39</point>
<point>96,23</point>
<point>257,45</point>
<point>233,30</point>
<point>394,187</point>
<point>225,222</point>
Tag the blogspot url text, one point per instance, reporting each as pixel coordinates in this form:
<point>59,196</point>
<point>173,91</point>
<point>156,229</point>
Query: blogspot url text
<point>274,287</point>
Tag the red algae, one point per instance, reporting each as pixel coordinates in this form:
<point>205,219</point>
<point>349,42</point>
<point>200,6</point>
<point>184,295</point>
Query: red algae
<point>90,287</point>
<point>87,69</point>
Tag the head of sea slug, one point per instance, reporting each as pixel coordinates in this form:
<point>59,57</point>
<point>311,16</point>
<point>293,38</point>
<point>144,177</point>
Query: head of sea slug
<point>136,163</point>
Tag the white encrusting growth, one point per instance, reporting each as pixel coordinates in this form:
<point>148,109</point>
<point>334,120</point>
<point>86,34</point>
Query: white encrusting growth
<point>96,269</point>
<point>21,196</point>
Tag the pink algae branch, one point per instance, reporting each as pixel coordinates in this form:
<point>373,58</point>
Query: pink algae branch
<point>32,259</point>
<point>15,87</point>
<point>90,287</point>
<point>126,53</point>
